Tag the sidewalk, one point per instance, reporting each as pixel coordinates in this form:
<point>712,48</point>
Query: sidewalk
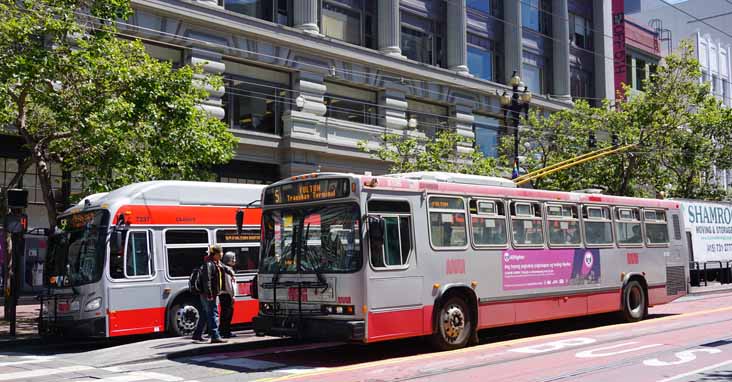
<point>26,324</point>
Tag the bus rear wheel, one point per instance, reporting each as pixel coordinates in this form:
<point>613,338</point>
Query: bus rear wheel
<point>635,301</point>
<point>454,325</point>
<point>183,317</point>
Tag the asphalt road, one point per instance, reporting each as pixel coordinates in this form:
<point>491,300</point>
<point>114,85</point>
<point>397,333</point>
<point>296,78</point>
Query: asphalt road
<point>688,340</point>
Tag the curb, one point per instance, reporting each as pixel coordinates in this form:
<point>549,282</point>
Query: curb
<point>712,291</point>
<point>22,341</point>
<point>207,348</point>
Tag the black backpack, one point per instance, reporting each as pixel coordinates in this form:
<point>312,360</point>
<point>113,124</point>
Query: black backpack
<point>194,281</point>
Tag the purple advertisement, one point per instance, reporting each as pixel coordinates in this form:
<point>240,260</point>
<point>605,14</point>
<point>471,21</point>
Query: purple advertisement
<point>549,268</point>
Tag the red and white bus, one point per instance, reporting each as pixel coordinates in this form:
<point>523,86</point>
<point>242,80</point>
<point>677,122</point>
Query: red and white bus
<point>373,258</point>
<point>119,262</point>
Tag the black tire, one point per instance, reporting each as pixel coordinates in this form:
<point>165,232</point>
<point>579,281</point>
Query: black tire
<point>455,326</point>
<point>183,317</point>
<point>634,302</point>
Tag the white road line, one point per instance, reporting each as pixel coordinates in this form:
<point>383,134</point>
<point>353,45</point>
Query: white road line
<point>42,372</point>
<point>300,369</point>
<point>28,359</point>
<point>697,371</point>
<point>136,376</point>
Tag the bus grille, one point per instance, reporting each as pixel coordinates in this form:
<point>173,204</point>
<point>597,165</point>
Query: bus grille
<point>675,280</point>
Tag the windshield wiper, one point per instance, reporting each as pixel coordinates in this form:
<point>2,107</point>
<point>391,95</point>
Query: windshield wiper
<point>314,264</point>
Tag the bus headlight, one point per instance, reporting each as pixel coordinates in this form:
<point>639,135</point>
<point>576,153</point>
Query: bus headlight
<point>93,304</point>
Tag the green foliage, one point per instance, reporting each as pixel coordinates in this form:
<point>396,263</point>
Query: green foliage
<point>98,104</point>
<point>680,128</point>
<point>409,152</point>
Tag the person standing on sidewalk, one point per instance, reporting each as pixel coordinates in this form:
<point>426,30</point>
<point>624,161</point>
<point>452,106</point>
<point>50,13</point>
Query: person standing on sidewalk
<point>226,298</point>
<point>212,282</point>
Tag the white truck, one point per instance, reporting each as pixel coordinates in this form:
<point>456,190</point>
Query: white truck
<point>709,233</point>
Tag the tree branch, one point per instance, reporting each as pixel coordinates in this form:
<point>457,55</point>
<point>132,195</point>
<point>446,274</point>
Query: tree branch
<point>22,168</point>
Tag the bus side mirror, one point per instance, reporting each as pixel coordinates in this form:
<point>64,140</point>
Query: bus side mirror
<point>117,242</point>
<point>239,220</point>
<point>376,230</point>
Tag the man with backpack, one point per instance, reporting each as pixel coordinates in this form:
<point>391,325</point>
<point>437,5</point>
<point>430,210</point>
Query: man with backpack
<point>210,282</point>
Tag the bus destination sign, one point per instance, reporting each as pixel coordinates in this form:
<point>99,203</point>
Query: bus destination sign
<point>308,191</point>
<point>231,236</point>
<point>76,221</point>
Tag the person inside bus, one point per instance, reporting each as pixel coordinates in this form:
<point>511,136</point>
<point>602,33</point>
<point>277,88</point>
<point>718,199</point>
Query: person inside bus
<point>212,282</point>
<point>636,238</point>
<point>226,297</point>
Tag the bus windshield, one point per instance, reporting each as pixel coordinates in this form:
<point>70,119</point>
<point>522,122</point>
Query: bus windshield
<point>76,251</point>
<point>312,239</point>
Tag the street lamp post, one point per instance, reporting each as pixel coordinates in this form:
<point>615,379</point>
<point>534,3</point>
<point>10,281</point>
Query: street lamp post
<point>513,106</point>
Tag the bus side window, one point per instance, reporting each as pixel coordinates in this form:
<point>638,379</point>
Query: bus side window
<point>448,227</point>
<point>564,229</point>
<point>656,227</point>
<point>598,225</point>
<point>185,249</point>
<point>488,222</point>
<point>138,260</point>
<point>527,224</point>
<point>628,226</point>
<point>397,245</point>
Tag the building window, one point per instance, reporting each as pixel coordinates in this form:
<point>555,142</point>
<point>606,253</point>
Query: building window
<point>486,131</point>
<point>581,31</point>
<point>532,77</point>
<point>164,53</point>
<point>430,117</point>
<point>256,97</point>
<point>640,74</point>
<point>277,11</point>
<point>535,15</point>
<point>350,103</point>
<point>481,58</point>
<point>580,83</point>
<point>480,5</point>
<point>629,70</point>
<point>351,21</point>
<point>422,39</point>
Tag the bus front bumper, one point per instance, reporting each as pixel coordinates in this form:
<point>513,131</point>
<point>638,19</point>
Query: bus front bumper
<point>92,327</point>
<point>309,328</point>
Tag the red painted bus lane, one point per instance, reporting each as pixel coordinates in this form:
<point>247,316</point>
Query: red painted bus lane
<point>655,349</point>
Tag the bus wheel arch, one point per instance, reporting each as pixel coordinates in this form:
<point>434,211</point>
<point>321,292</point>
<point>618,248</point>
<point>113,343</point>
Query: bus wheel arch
<point>634,298</point>
<point>460,303</point>
<point>182,314</point>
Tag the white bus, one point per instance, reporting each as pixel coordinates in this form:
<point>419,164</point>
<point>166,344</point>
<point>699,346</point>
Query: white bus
<point>368,259</point>
<point>119,262</point>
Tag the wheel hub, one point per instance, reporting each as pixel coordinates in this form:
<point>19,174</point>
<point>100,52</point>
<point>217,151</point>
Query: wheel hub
<point>453,322</point>
<point>635,301</point>
<point>187,318</point>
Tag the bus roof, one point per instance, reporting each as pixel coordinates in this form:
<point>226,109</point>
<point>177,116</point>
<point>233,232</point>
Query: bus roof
<point>477,186</point>
<point>176,192</point>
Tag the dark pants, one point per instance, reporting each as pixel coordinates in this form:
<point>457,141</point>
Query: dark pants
<point>227,312</point>
<point>210,317</point>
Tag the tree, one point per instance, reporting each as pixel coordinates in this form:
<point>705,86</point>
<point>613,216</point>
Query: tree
<point>97,104</point>
<point>680,129</point>
<point>409,152</point>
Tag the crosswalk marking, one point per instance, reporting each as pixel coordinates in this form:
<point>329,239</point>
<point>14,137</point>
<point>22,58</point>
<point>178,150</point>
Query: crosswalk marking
<point>28,359</point>
<point>136,376</point>
<point>42,372</point>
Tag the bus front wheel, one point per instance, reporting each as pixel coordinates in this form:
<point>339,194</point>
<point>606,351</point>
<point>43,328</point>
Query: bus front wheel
<point>635,301</point>
<point>454,325</point>
<point>183,317</point>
